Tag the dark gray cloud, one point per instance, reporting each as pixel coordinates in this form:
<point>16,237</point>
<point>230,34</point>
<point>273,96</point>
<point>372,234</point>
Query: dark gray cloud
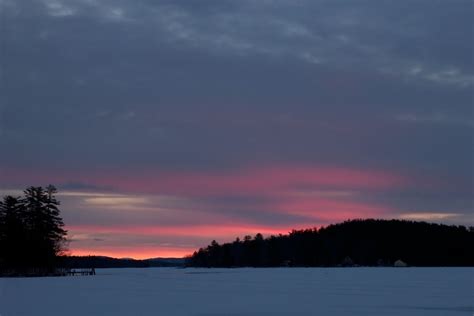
<point>223,84</point>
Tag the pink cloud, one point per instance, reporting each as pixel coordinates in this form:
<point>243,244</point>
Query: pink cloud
<point>248,180</point>
<point>222,230</point>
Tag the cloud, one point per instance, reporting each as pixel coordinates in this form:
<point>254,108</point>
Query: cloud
<point>429,216</point>
<point>113,201</point>
<point>81,186</point>
<point>251,179</point>
<point>146,74</point>
<point>314,32</point>
<point>447,76</point>
<point>436,118</point>
<point>57,8</point>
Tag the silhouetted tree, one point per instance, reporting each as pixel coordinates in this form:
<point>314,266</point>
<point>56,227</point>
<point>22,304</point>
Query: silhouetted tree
<point>31,230</point>
<point>365,242</point>
<point>12,232</point>
<point>45,228</point>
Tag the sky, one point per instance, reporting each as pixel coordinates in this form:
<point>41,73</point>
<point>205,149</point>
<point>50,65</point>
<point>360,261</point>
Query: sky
<point>167,124</point>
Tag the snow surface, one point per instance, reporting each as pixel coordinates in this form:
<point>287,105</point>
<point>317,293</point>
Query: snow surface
<point>244,292</point>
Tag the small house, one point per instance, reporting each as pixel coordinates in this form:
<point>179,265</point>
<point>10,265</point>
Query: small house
<point>399,264</point>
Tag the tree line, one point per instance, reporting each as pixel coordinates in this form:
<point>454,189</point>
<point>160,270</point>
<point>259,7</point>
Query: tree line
<point>32,233</point>
<point>367,242</point>
<point>87,262</point>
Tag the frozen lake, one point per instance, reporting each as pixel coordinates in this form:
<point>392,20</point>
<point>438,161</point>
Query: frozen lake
<point>245,292</point>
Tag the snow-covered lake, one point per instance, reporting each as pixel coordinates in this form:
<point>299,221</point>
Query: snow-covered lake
<point>245,292</point>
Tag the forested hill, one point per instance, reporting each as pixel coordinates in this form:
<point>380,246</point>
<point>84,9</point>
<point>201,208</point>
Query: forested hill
<point>358,242</point>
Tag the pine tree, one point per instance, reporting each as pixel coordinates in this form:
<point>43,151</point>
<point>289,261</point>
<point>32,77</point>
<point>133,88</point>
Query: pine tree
<point>56,231</point>
<point>46,236</point>
<point>32,232</point>
<point>12,232</point>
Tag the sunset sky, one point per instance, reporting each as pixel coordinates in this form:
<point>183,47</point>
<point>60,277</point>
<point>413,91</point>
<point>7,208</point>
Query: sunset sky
<point>167,124</point>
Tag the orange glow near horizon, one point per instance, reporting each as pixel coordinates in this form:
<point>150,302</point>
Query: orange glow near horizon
<point>134,252</point>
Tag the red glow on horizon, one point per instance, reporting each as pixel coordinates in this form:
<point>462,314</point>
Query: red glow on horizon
<point>133,252</point>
